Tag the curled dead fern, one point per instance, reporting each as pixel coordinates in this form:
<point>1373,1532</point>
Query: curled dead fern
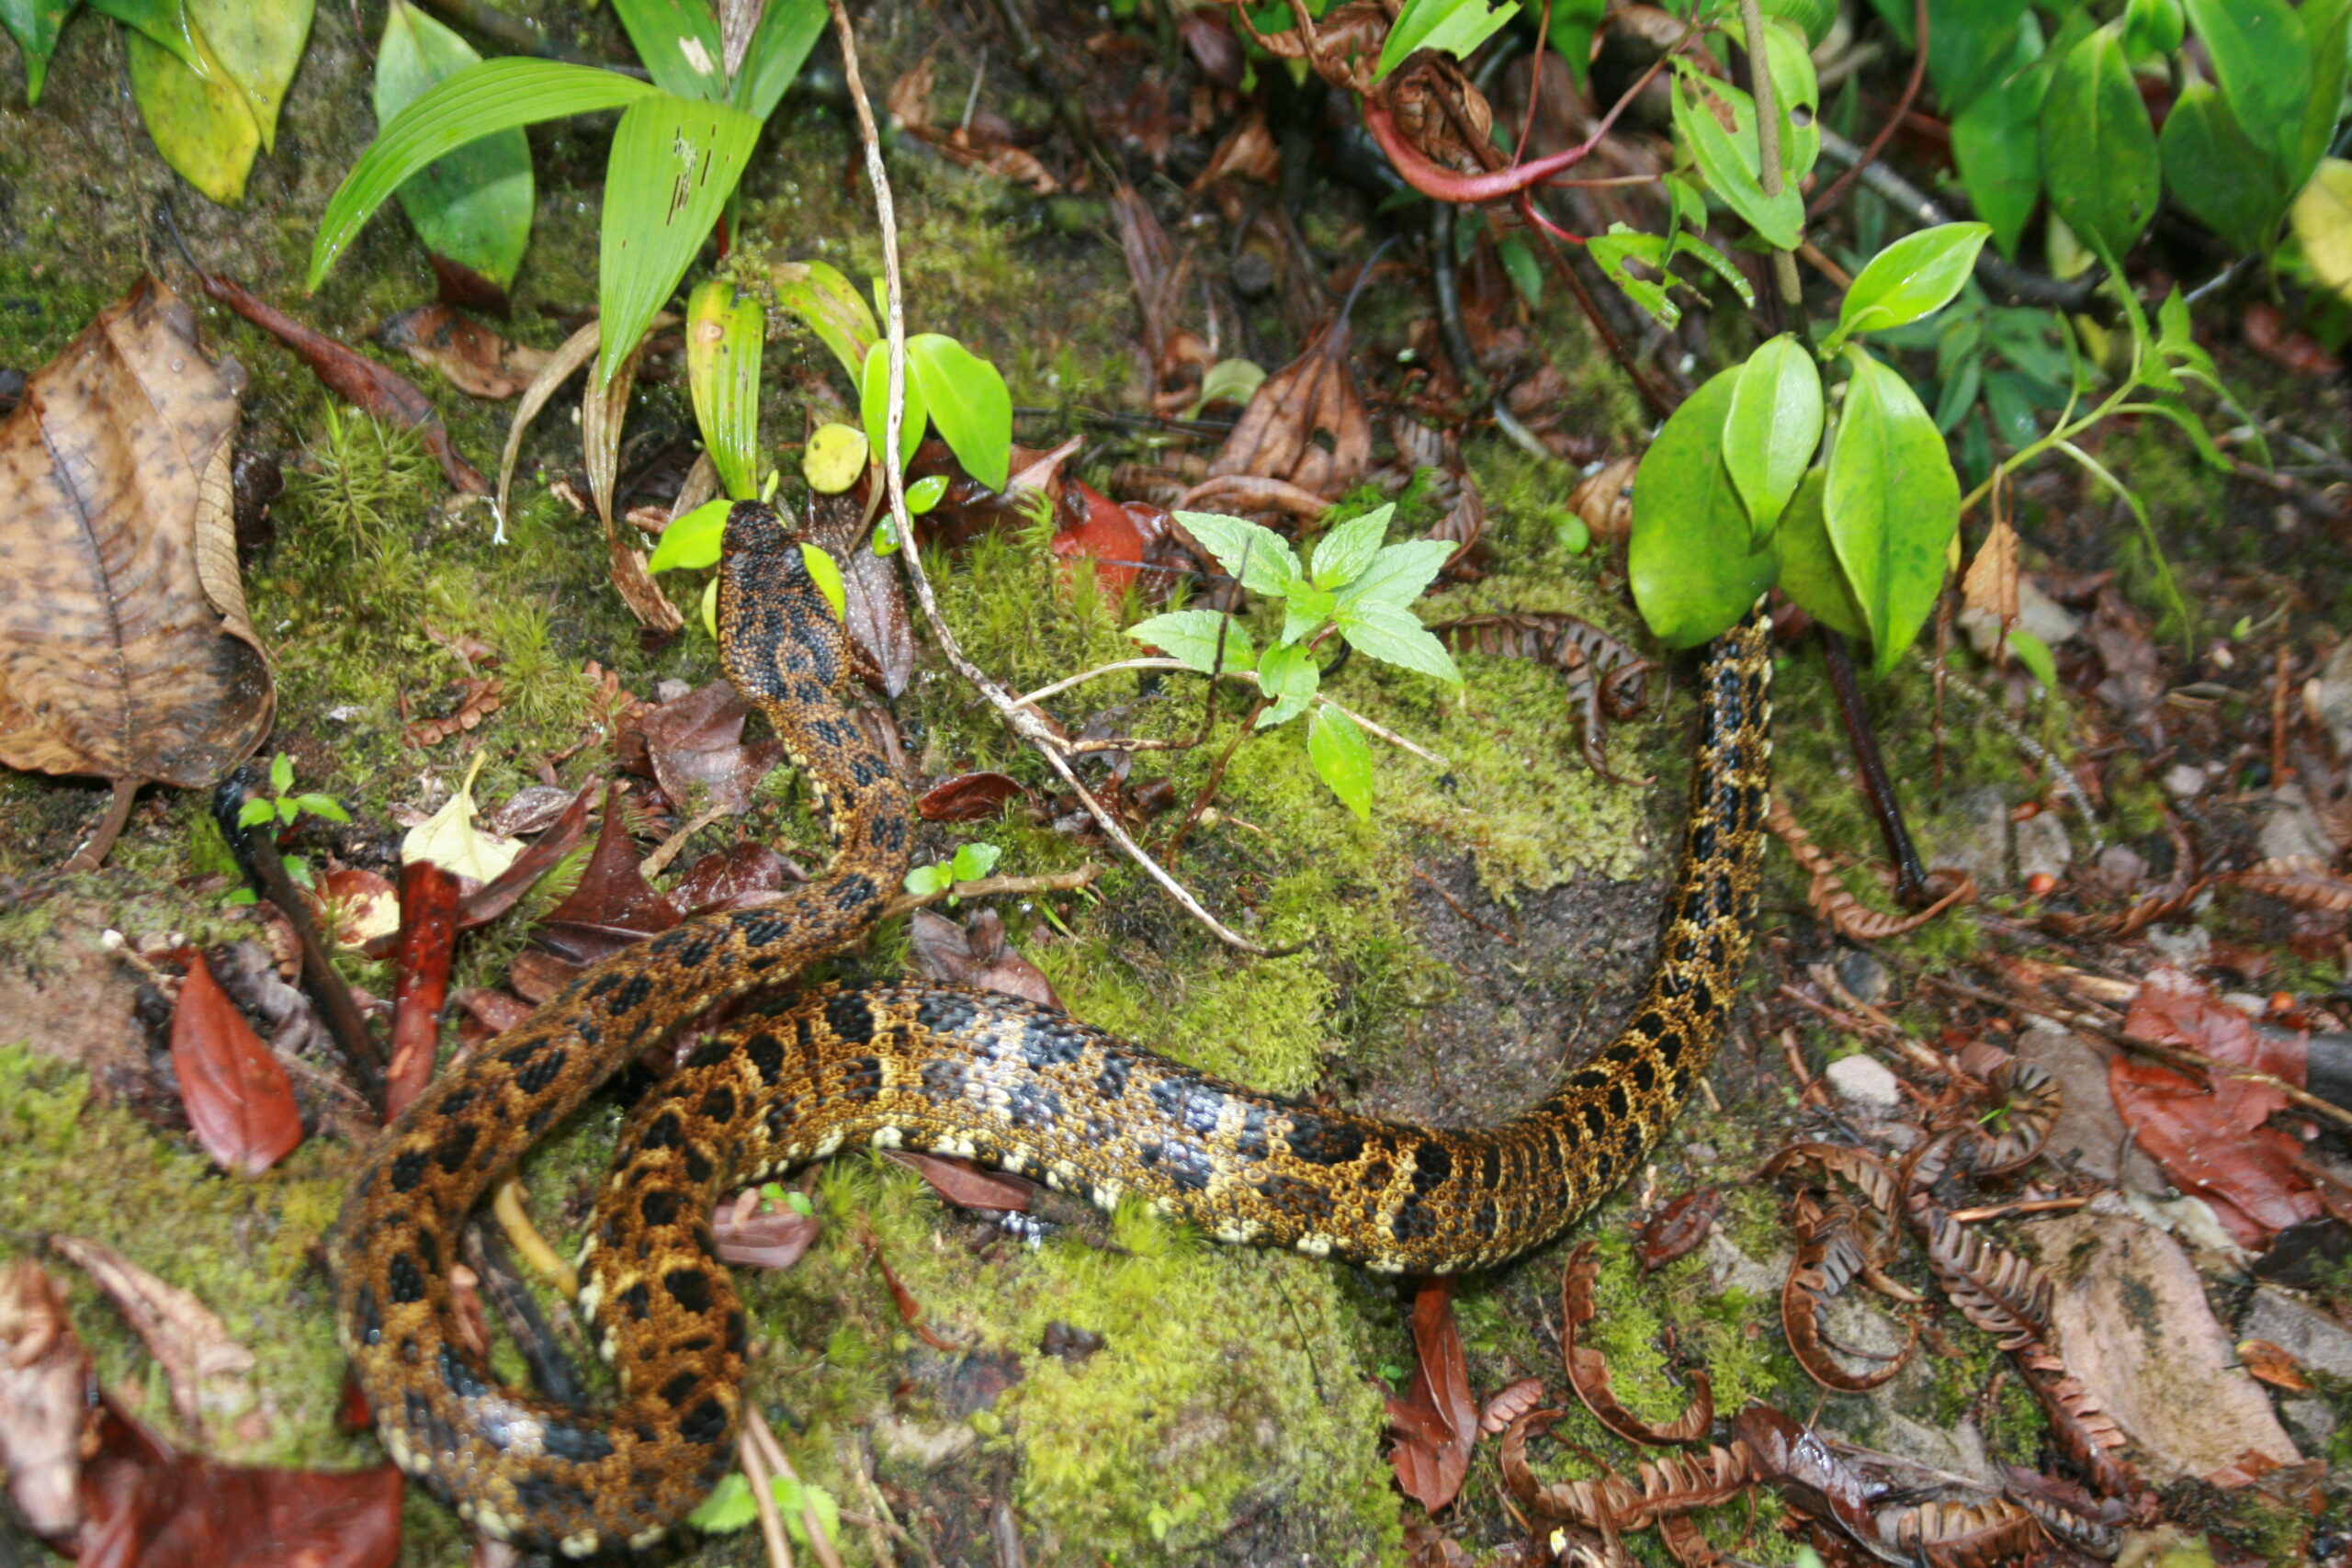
<point>1588,1370</point>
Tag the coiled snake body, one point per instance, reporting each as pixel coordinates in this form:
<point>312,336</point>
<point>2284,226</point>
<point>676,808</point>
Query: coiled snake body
<point>924,1067</point>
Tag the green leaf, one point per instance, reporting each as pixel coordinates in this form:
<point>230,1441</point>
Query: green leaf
<point>836,457</point>
<point>1689,244</point>
<point>1342,759</point>
<point>923,494</point>
<point>874,404</point>
<point>2153,27</point>
<point>797,1201</point>
<point>1997,142</point>
<point>692,540</point>
<point>1809,570</point>
<point>1398,574</point>
<point>1891,505</point>
<point>472,206</point>
<point>34,24</point>
<point>969,401</point>
<point>1968,44</point>
<point>1915,277</point>
<point>1452,26</point>
<point>925,880</point>
<point>1288,674</point>
<point>259,43</point>
<point>1231,381</point>
<point>287,811</point>
<point>1615,251</point>
<point>1192,635</point>
<point>2324,224</point>
<point>2034,654</point>
<point>1773,428</point>
<point>826,573</point>
<point>673,165</point>
<point>165,23</point>
<point>323,805</point>
<point>1306,608</point>
<point>1729,159</point>
<point>724,331</point>
<point>1526,274</point>
<point>1693,560</point>
<point>1814,17</point>
<point>2098,153</point>
<point>2325,25</point>
<point>255,812</point>
<point>1796,95</point>
<point>1391,633</point>
<point>2263,59</point>
<point>975,861</point>
<point>833,309</point>
<point>496,94</point>
<point>2223,180</point>
<point>1342,555</point>
<point>677,41</point>
<point>282,774</point>
<point>1258,558</point>
<point>780,45</point>
<point>201,121</point>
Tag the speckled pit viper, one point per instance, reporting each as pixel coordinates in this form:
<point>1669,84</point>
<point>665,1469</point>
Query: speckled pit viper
<point>1018,1087</point>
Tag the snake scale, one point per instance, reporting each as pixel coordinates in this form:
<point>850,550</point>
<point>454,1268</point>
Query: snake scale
<point>1018,1087</point>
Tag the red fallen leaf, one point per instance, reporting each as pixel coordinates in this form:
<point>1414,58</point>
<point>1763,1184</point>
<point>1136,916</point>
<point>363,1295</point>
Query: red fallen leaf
<point>146,1505</point>
<point>240,1104</point>
<point>965,1185</point>
<point>732,877</point>
<point>380,392</point>
<point>968,797</point>
<point>1679,1228</point>
<point>977,955</point>
<point>500,893</point>
<point>695,747</point>
<point>428,939</point>
<point>2270,1364</point>
<point>494,1011</point>
<point>614,906</point>
<point>2211,1140</point>
<point>1510,1404</point>
<point>539,976</point>
<point>2268,334</point>
<point>1437,1421</point>
<point>1090,526</point>
<point>751,1233</point>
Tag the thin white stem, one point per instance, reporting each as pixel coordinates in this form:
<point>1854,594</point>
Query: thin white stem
<point>1423,752</point>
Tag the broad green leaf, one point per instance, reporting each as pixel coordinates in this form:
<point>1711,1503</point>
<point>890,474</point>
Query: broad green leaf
<point>1342,759</point>
<point>922,495</point>
<point>34,24</point>
<point>2324,224</point>
<point>835,457</point>
<point>923,882</point>
<point>1623,244</point>
<point>1229,381</point>
<point>1814,17</point>
<point>1193,635</point>
<point>1969,43</point>
<point>1392,634</point>
<point>1809,570</point>
<point>472,207</point>
<point>826,573</point>
<point>1304,609</point>
<point>833,309</point>
<point>1891,505</point>
<point>2262,58</point>
<point>693,540</point>
<point>1526,274</point>
<point>673,165</point>
<point>1773,428</point>
<point>164,22</point>
<point>282,774</point>
<point>1694,565</point>
<point>1398,574</point>
<point>724,331</point>
<point>2223,180</point>
<point>1342,555</point>
<point>2153,27</point>
<point>1288,674</point>
<point>1729,159</point>
<point>677,41</point>
<point>257,811</point>
<point>1915,277</point>
<point>975,861</point>
<point>497,94</point>
<point>1452,26</point>
<point>874,406</point>
<point>2325,23</point>
<point>259,44</point>
<point>2098,153</point>
<point>780,45</point>
<point>202,124</point>
<point>1997,142</point>
<point>969,401</point>
<point>321,805</point>
<point>1258,558</point>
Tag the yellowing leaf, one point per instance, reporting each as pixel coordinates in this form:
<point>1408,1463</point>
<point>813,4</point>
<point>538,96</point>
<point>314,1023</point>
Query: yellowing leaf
<point>835,457</point>
<point>2323,223</point>
<point>450,841</point>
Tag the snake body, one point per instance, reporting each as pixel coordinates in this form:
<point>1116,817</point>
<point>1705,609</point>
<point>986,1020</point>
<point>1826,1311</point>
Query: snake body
<point>1003,1082</point>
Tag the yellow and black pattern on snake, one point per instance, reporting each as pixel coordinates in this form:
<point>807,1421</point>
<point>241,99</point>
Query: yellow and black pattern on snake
<point>921,1066</point>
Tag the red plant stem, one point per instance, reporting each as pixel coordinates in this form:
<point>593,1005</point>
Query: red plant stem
<point>1839,187</point>
<point>428,937</point>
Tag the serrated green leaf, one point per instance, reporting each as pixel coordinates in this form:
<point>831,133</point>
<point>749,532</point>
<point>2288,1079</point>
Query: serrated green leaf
<point>975,861</point>
<point>1694,565</point>
<point>1304,609</point>
<point>1398,574</point>
<point>2098,152</point>
<point>1773,428</point>
<point>1392,634</point>
<point>967,400</point>
<point>1258,558</point>
<point>1192,635</point>
<point>1891,505</point>
<point>255,812</point>
<point>692,540</point>
<point>673,165</point>
<point>874,406</point>
<point>1342,555</point>
<point>1288,674</point>
<point>472,206</point>
<point>1342,759</point>
<point>1915,277</point>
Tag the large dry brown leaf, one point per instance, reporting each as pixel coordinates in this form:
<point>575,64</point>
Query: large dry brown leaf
<point>1306,423</point>
<point>125,648</point>
<point>208,1372</point>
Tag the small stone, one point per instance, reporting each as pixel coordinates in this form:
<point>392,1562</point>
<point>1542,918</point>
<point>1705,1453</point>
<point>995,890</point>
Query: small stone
<point>1978,839</point>
<point>2317,1341</point>
<point>1700,1153</point>
<point>1730,1269</point>
<point>2291,828</point>
<point>2184,782</point>
<point>2042,847</point>
<point>2327,697</point>
<point>2089,1135</point>
<point>2122,865</point>
<point>2309,1420</point>
<point>1866,1083</point>
<point>2183,947</point>
<point>1865,977</point>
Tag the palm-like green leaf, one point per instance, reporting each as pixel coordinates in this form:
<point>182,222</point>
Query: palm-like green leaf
<point>674,163</point>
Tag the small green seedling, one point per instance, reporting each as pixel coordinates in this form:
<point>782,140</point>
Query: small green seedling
<point>784,1197</point>
<point>283,806</point>
<point>972,862</point>
<point>731,1507</point>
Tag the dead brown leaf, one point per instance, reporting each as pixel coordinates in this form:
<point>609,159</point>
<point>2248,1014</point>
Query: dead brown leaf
<point>476,700</point>
<point>1246,153</point>
<point>1605,499</point>
<point>2270,1364</point>
<point>1991,585</point>
<point>873,607</point>
<point>967,1185</point>
<point>1306,423</point>
<point>753,1231</point>
<point>733,878</point>
<point>1588,1370</point>
<point>475,360</point>
<point>1436,1421</point>
<point>695,748</point>
<point>1677,1229</point>
<point>127,651</point>
<point>975,955</point>
<point>45,1389</point>
<point>240,1102</point>
<point>207,1369</point>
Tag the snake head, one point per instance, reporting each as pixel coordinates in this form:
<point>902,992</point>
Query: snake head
<point>755,528</point>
